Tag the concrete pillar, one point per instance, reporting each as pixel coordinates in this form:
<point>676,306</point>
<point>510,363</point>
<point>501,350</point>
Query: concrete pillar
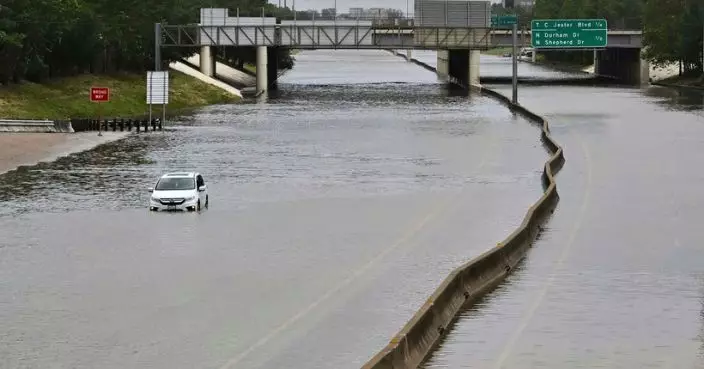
<point>206,61</point>
<point>459,67</point>
<point>597,63</point>
<point>262,72</point>
<point>474,67</point>
<point>213,61</point>
<point>272,67</point>
<point>443,63</point>
<point>409,54</point>
<point>644,71</point>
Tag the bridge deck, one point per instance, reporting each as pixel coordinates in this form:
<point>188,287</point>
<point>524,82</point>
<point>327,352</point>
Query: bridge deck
<point>332,35</point>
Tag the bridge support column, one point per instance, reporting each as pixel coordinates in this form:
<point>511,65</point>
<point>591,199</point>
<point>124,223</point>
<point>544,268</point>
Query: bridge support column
<point>443,63</point>
<point>206,61</point>
<point>273,68</point>
<point>625,65</point>
<point>262,72</point>
<point>644,71</point>
<point>474,67</point>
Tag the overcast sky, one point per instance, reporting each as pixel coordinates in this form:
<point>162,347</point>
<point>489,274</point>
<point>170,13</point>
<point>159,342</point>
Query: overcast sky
<point>343,5</point>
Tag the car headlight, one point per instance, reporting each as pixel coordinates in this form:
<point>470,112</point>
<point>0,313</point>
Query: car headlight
<point>154,198</point>
<point>190,198</point>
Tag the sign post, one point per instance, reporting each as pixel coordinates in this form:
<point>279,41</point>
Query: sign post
<point>158,92</point>
<point>510,21</point>
<point>514,54</point>
<point>98,95</point>
<point>568,33</point>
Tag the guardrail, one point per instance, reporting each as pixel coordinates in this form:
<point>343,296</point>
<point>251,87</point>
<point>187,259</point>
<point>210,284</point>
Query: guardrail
<point>79,125</point>
<point>116,124</point>
<point>27,125</point>
<point>467,283</point>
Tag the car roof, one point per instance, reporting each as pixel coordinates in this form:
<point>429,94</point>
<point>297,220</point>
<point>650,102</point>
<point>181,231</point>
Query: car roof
<point>180,174</point>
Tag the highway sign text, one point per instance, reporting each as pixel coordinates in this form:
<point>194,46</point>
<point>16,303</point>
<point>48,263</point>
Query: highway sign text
<point>569,33</point>
<point>99,94</point>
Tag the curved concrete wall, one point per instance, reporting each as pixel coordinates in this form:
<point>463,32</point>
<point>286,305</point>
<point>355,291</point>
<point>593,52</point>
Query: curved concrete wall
<point>470,281</point>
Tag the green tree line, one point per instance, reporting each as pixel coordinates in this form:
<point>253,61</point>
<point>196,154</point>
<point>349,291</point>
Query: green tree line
<point>672,29</point>
<point>42,39</point>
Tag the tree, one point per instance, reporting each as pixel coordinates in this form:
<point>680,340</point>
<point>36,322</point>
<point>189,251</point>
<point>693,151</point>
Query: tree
<point>49,38</point>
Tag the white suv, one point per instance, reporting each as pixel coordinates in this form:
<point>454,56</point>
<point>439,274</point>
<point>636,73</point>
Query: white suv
<point>179,191</point>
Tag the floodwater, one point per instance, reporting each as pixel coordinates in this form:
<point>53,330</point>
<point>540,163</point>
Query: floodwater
<point>336,207</point>
<point>617,279</point>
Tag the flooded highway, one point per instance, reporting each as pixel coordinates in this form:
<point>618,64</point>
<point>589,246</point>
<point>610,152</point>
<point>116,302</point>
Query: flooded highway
<point>336,207</point>
<point>617,279</point>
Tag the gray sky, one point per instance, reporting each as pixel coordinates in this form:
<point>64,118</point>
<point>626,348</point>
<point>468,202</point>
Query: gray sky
<point>343,5</point>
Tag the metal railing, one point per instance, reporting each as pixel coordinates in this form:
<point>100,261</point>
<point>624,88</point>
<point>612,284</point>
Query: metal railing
<point>325,36</point>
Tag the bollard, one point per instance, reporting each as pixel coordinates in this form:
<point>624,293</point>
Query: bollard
<point>153,125</point>
<point>146,125</point>
<point>105,125</point>
<point>129,125</point>
<point>122,124</point>
<point>114,124</point>
<point>136,125</point>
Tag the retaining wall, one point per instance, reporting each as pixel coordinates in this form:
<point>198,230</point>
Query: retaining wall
<point>21,125</point>
<point>467,283</point>
<point>35,126</point>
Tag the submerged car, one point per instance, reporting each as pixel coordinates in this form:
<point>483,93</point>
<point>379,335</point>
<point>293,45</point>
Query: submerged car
<point>184,191</point>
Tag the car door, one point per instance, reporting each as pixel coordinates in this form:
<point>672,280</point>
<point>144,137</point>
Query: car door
<point>201,195</point>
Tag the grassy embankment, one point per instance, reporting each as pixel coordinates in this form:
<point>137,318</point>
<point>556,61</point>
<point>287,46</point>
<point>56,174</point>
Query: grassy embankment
<point>684,81</point>
<point>65,98</point>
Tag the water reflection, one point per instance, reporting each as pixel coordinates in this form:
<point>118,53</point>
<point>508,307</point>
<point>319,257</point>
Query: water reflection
<point>336,208</point>
<point>682,99</point>
<point>291,137</point>
<point>100,177</point>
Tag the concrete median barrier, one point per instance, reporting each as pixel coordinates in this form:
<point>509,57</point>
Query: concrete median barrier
<point>35,126</point>
<point>25,125</point>
<point>467,283</point>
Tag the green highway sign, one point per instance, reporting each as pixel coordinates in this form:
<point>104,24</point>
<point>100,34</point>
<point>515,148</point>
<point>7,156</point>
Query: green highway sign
<point>503,20</point>
<point>568,33</point>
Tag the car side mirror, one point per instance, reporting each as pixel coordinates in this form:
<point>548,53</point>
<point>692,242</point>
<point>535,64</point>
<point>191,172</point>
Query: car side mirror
<point>201,188</point>
<point>150,189</point>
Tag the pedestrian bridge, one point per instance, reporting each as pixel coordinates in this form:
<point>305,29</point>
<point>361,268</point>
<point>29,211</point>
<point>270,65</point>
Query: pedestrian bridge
<point>356,35</point>
<point>458,47</point>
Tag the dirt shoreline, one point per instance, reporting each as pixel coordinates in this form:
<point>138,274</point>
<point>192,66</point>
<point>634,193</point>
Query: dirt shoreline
<point>19,149</point>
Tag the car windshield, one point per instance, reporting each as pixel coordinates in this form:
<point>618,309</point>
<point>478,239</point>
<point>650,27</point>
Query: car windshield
<point>175,184</point>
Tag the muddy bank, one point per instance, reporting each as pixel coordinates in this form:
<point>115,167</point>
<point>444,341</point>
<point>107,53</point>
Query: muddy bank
<point>18,149</point>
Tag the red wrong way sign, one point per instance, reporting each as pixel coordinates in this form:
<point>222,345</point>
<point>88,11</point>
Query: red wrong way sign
<point>99,94</point>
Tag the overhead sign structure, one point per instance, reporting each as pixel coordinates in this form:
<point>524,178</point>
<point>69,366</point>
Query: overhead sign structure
<point>99,94</point>
<point>499,21</point>
<point>568,33</point>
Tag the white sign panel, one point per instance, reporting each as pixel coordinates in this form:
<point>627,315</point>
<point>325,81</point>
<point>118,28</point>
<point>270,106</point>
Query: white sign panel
<point>157,88</point>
